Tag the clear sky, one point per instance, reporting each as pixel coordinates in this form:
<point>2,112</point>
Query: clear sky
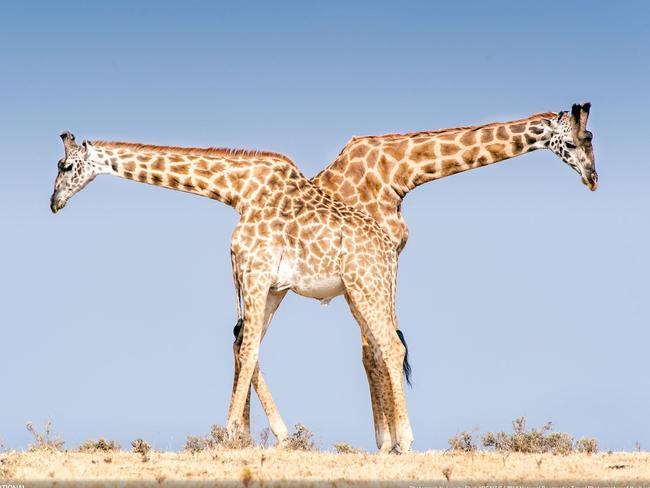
<point>520,292</point>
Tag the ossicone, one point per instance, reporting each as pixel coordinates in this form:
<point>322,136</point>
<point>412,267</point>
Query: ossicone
<point>68,141</point>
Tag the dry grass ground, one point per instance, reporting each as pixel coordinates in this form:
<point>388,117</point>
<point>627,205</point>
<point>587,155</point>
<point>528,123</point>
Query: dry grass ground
<point>274,467</point>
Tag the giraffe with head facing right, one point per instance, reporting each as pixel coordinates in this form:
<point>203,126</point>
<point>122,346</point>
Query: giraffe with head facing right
<point>375,173</point>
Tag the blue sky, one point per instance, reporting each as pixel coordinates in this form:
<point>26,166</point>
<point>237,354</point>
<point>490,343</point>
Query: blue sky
<point>520,292</point>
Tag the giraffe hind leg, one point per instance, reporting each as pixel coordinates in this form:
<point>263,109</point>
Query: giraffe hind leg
<point>246,417</point>
<point>372,308</point>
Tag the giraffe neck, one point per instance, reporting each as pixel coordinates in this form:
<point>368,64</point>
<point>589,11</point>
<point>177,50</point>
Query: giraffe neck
<point>240,179</point>
<point>453,151</point>
<point>375,173</point>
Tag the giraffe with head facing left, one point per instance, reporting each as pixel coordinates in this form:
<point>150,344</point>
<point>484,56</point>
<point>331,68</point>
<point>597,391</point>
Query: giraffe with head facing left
<point>290,236</point>
<point>375,173</point>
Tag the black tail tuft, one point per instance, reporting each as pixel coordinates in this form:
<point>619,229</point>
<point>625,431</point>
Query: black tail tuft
<point>406,367</point>
<point>237,328</point>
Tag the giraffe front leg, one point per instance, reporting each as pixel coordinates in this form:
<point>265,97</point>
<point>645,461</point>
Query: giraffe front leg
<point>276,423</point>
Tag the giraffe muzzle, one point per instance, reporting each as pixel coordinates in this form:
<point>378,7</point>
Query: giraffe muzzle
<point>591,181</point>
<point>56,204</point>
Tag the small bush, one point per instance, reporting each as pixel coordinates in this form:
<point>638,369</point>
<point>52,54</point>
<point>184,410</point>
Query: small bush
<point>141,447</point>
<point>463,442</point>
<point>46,441</point>
<point>558,443</point>
<point>588,446</point>
<point>219,438</point>
<point>536,441</point>
<point>300,440</point>
<point>99,445</point>
<point>196,444</point>
<point>345,448</point>
<point>237,440</point>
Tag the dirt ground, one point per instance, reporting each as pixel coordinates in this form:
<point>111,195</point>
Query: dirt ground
<point>274,467</point>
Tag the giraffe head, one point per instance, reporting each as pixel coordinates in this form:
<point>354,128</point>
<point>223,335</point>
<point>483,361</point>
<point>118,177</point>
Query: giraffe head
<point>571,141</point>
<point>76,170</point>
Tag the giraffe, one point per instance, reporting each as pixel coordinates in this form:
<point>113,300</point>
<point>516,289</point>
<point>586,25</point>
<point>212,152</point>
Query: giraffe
<point>290,236</point>
<point>375,173</point>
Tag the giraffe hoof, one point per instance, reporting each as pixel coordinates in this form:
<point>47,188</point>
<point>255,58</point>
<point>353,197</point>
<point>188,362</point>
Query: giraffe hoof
<point>396,450</point>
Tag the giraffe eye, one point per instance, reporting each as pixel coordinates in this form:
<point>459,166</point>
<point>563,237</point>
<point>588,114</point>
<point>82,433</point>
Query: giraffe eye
<point>570,145</point>
<point>63,167</point>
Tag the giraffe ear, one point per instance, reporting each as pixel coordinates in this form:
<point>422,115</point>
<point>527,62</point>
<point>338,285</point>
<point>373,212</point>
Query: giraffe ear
<point>551,123</point>
<point>86,144</point>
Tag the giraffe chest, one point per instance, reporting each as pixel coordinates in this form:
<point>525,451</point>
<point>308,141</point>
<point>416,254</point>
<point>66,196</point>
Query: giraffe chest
<point>298,277</point>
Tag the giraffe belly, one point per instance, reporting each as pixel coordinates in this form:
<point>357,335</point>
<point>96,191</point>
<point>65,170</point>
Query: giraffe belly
<point>292,277</point>
<point>322,288</point>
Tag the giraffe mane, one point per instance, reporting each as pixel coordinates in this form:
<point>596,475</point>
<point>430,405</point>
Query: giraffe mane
<point>541,115</point>
<point>194,151</point>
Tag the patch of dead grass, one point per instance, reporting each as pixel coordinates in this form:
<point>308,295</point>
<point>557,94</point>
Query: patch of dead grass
<point>219,438</point>
<point>536,441</point>
<point>46,441</point>
<point>101,444</point>
<point>345,448</point>
<point>301,439</point>
<point>283,466</point>
<point>142,447</point>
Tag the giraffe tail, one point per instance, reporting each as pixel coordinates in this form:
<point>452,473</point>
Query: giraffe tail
<point>406,367</point>
<point>237,329</point>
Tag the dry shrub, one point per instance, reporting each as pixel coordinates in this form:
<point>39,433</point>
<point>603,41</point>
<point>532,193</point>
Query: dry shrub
<point>463,442</point>
<point>588,446</point>
<point>536,441</point>
<point>446,472</point>
<point>300,439</point>
<point>99,445</point>
<point>219,438</point>
<point>141,447</point>
<point>345,448</point>
<point>236,440</point>
<point>47,441</point>
<point>196,444</point>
